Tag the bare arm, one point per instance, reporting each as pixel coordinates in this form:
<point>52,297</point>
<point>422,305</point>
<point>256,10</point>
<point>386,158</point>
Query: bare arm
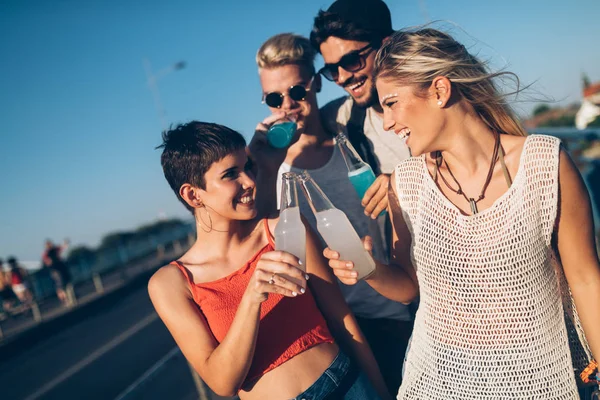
<point>339,318</point>
<point>577,249</point>
<point>223,366</point>
<point>396,281</point>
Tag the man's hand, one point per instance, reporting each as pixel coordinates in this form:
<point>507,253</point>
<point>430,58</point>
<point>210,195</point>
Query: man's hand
<point>266,157</point>
<point>375,199</point>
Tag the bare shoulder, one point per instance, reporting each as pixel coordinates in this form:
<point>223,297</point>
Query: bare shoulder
<point>166,280</point>
<point>512,145</point>
<point>513,148</point>
<point>570,180</point>
<point>272,220</point>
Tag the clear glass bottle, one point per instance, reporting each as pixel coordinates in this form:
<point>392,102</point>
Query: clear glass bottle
<point>290,233</point>
<point>360,173</point>
<point>336,229</point>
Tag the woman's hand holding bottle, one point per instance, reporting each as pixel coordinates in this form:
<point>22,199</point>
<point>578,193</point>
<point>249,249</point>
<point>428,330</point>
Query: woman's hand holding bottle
<point>270,276</point>
<point>344,269</point>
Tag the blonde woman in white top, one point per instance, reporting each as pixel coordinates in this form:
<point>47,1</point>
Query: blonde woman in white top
<point>496,226</point>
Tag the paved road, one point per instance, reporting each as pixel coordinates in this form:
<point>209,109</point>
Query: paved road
<point>100,358</point>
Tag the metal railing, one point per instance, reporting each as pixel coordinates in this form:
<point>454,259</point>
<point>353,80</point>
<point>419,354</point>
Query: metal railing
<point>111,269</point>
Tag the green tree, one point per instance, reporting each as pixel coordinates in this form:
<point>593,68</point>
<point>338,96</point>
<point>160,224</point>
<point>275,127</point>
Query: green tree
<point>115,239</point>
<point>585,80</point>
<point>158,227</point>
<point>81,253</point>
<point>562,121</point>
<point>541,109</point>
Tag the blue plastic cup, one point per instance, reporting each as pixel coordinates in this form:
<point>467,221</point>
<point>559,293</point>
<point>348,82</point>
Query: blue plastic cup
<point>281,133</point>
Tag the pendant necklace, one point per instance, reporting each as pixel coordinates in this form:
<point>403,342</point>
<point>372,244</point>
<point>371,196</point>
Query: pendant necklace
<point>471,200</point>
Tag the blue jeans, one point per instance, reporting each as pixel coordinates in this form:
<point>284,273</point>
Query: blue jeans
<point>341,380</point>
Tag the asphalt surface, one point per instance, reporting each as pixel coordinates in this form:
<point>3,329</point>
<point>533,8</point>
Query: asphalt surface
<point>121,349</point>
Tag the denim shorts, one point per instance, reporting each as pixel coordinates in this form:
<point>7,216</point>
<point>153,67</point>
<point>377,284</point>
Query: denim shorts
<point>342,380</point>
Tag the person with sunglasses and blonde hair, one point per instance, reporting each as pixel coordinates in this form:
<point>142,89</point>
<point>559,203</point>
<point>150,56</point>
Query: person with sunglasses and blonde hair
<point>289,84</point>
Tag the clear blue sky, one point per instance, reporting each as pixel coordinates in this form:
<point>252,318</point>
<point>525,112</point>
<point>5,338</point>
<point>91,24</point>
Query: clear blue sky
<point>79,125</point>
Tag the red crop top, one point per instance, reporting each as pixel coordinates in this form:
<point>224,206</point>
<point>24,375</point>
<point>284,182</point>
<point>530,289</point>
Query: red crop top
<point>288,326</point>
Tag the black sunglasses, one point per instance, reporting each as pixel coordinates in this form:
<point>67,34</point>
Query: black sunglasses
<point>296,93</point>
<point>352,62</point>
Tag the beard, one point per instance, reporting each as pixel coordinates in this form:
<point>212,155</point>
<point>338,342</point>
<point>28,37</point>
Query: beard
<point>370,100</point>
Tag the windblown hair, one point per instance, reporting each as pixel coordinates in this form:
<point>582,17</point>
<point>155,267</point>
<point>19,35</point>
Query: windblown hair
<point>286,49</point>
<point>190,149</point>
<point>416,58</point>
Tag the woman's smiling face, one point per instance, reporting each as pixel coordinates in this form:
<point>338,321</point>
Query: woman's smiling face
<point>411,114</point>
<point>230,188</point>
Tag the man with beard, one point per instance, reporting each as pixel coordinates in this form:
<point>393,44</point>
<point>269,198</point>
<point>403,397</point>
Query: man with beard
<point>348,36</point>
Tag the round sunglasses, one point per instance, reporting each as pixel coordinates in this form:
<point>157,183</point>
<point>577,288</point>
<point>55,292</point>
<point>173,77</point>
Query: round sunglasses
<point>296,93</point>
<point>353,61</point>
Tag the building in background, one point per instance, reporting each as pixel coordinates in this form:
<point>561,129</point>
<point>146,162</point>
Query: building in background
<point>589,112</point>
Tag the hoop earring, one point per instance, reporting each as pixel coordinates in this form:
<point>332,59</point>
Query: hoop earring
<point>202,223</point>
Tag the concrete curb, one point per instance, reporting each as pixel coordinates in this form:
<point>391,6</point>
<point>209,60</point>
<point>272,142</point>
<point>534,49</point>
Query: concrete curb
<point>20,342</point>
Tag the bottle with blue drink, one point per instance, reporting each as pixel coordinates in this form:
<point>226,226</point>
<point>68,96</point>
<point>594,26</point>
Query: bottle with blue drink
<point>280,134</point>
<point>290,233</point>
<point>360,173</point>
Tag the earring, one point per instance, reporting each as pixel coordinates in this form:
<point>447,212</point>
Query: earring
<point>440,102</point>
<point>202,223</point>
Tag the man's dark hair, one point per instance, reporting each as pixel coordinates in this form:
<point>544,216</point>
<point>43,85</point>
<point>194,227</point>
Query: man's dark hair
<point>357,20</point>
<point>190,149</point>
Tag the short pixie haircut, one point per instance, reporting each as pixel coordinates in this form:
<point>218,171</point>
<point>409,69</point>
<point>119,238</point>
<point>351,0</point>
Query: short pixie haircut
<point>190,149</point>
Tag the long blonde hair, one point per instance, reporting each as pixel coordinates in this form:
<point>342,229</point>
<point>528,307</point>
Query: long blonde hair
<point>416,58</point>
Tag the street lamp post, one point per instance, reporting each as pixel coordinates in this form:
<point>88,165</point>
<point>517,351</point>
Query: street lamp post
<point>152,81</point>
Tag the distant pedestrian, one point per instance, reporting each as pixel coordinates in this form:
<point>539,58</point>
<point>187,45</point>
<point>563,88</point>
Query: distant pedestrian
<point>17,278</point>
<point>59,270</point>
<point>7,297</point>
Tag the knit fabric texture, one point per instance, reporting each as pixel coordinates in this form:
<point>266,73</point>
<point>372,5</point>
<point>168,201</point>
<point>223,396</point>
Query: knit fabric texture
<point>496,319</point>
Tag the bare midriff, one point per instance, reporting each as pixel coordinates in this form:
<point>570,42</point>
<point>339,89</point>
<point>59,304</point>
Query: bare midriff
<point>293,376</point>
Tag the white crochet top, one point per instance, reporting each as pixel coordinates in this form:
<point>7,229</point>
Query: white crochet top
<point>491,322</point>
